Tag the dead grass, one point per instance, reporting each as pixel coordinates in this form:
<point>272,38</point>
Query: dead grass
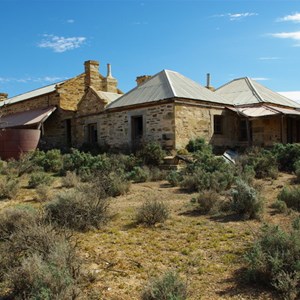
<point>206,251</point>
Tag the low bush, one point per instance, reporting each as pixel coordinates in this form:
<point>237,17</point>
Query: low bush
<point>297,170</point>
<point>78,210</point>
<point>274,260</point>
<point>287,155</point>
<point>43,192</point>
<point>36,262</point>
<point>198,144</point>
<point>39,178</point>
<point>246,200</point>
<point>263,163</point>
<point>53,161</point>
<point>9,187</point>
<point>208,202</point>
<point>139,174</point>
<point>151,154</point>
<point>174,178</point>
<point>291,196</point>
<point>156,174</point>
<point>280,206</point>
<point>152,212</point>
<point>169,286</point>
<point>70,180</point>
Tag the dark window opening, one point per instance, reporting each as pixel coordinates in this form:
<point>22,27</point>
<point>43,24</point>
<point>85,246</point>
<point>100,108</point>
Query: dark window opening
<point>218,124</point>
<point>92,133</point>
<point>137,130</point>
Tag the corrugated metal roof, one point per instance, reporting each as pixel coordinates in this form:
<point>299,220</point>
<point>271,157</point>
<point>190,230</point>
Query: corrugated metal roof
<point>35,93</point>
<point>108,96</point>
<point>166,85</point>
<point>26,118</point>
<point>263,111</point>
<point>243,91</point>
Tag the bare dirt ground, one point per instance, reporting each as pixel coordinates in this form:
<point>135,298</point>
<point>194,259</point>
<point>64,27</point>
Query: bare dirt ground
<point>207,251</point>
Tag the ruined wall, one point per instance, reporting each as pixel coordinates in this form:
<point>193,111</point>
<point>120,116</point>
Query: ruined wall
<point>193,121</point>
<point>266,131</point>
<point>115,127</point>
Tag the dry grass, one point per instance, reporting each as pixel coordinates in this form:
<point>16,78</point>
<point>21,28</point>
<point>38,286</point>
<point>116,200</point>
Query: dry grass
<point>206,251</point>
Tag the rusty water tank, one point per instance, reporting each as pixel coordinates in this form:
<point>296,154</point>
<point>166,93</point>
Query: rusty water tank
<point>14,142</point>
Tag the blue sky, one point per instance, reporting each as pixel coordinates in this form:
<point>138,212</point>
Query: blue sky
<point>46,41</point>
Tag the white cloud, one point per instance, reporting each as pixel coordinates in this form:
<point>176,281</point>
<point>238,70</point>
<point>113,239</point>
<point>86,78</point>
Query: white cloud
<point>288,35</point>
<point>61,44</point>
<point>260,78</point>
<point>45,79</point>
<point>70,21</point>
<point>291,18</point>
<point>269,58</point>
<point>237,16</point>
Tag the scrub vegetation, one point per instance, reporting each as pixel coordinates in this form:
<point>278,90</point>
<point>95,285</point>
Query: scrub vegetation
<point>78,225</point>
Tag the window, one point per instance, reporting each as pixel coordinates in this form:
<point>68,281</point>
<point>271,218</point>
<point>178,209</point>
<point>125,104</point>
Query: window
<point>218,124</point>
<point>92,133</point>
<point>243,130</point>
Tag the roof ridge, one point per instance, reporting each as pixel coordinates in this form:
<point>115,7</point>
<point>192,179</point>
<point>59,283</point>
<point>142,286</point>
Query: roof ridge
<point>169,82</point>
<point>254,90</point>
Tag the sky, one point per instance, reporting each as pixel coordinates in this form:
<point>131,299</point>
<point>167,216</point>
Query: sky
<point>47,41</point>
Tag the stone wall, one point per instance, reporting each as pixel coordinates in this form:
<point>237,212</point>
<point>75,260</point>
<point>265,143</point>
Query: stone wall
<point>115,127</point>
<point>193,120</point>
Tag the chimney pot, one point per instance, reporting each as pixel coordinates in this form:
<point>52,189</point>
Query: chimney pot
<point>3,96</point>
<point>109,70</point>
<point>208,86</point>
<point>141,79</point>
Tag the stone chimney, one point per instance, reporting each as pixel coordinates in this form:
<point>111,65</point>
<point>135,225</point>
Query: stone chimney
<point>141,79</point>
<point>3,96</point>
<point>208,86</point>
<point>92,76</point>
<point>110,83</point>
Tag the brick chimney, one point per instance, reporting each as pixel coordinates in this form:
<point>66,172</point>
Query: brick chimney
<point>3,96</point>
<point>110,83</point>
<point>92,76</point>
<point>141,79</point>
<point>208,86</point>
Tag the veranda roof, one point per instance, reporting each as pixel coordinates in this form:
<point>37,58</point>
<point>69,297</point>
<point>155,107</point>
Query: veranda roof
<point>27,118</point>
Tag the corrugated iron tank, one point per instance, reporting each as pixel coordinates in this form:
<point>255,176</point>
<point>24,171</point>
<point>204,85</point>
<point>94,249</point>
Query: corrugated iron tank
<point>14,142</point>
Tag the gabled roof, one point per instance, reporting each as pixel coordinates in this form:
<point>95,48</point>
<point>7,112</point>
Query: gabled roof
<point>166,85</point>
<point>244,91</point>
<point>35,93</point>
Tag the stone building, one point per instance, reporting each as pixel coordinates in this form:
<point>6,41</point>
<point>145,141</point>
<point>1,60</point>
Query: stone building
<point>168,108</point>
<point>70,107</point>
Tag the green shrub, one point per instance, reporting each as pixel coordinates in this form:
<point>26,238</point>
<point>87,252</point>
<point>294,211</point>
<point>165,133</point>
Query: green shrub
<point>174,178</point>
<point>169,286</point>
<point>78,210</point>
<point>198,144</point>
<point>151,154</point>
<point>43,192</point>
<point>263,163</point>
<point>274,260</point>
<point>70,180</point>
<point>280,206</point>
<point>246,201</point>
<point>152,212</point>
<point>9,187</point>
<point>139,174</point>
<point>39,178</point>
<point>53,161</point>
<point>208,202</point>
<point>156,174</point>
<point>287,155</point>
<point>291,196</point>
<point>297,170</point>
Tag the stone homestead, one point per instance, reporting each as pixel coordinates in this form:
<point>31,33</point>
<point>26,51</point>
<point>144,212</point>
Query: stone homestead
<point>168,108</point>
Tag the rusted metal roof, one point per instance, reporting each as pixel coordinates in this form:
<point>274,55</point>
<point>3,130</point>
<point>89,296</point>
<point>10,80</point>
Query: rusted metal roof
<point>244,91</point>
<point>167,85</point>
<point>263,111</point>
<point>25,119</point>
<point>35,93</point>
